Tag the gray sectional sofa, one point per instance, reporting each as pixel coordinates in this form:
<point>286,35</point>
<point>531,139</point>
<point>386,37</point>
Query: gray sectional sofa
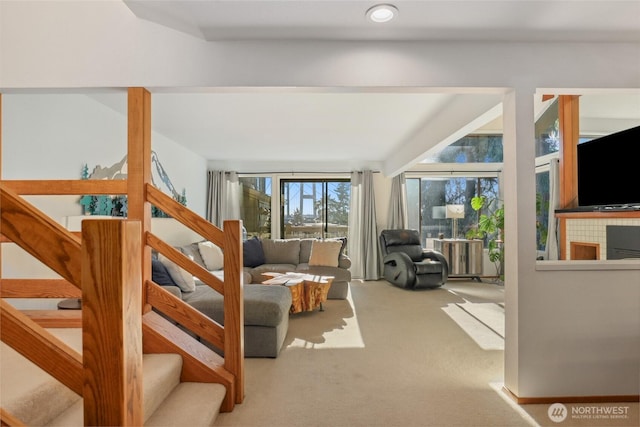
<point>266,307</point>
<point>293,255</point>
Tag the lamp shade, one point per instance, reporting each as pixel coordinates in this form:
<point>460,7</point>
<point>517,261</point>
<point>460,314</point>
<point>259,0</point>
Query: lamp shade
<point>454,211</point>
<point>438,212</point>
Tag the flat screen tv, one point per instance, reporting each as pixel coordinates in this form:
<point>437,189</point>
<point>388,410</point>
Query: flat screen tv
<point>609,170</point>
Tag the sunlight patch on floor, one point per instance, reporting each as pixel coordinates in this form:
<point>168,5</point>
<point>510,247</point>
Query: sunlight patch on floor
<point>346,334</point>
<point>483,322</point>
<point>498,387</point>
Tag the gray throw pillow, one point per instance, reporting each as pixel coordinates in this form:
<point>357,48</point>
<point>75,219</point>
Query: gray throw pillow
<point>281,251</point>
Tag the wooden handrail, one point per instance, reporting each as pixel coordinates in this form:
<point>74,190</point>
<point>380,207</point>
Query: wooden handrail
<point>8,419</point>
<point>55,318</point>
<point>41,347</point>
<point>40,236</point>
<point>185,216</point>
<point>184,314</point>
<point>234,304</point>
<point>38,288</point>
<point>161,336</point>
<point>66,187</point>
<point>184,262</point>
<point>229,239</point>
<point>62,251</point>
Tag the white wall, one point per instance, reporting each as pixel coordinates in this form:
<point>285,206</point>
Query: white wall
<point>569,333</point>
<point>51,136</point>
<point>579,331</point>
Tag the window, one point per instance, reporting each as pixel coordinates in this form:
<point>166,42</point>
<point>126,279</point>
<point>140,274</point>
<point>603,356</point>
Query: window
<point>470,149</point>
<point>475,160</point>
<point>547,138</point>
<point>542,208</point>
<point>547,129</point>
<point>428,196</point>
<point>315,208</point>
<point>255,210</point>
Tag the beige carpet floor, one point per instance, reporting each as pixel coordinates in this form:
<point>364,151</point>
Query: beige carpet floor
<point>384,357</point>
<point>389,357</point>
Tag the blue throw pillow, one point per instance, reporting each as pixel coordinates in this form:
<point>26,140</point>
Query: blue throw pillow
<point>160,274</point>
<point>253,253</point>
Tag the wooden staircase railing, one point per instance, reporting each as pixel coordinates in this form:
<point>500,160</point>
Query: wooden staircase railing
<point>118,244</point>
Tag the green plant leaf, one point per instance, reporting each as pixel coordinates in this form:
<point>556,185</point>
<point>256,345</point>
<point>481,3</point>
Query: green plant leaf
<point>478,202</point>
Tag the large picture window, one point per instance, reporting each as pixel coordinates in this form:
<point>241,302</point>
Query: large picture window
<point>427,198</point>
<point>255,210</point>
<point>315,208</point>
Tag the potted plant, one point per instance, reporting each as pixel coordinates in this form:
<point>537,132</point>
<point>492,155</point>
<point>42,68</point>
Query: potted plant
<point>490,226</point>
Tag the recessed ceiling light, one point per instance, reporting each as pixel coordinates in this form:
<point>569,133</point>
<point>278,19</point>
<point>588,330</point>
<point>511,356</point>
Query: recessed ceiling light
<point>382,13</point>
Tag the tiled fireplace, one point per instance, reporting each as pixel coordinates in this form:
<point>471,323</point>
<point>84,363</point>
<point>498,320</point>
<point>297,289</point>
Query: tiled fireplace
<point>590,232</point>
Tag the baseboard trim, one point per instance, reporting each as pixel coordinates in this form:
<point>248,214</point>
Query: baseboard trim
<point>570,399</point>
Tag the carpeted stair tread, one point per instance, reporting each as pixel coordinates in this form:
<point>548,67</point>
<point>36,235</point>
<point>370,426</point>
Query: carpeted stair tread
<point>190,404</point>
<point>28,392</point>
<point>161,374</point>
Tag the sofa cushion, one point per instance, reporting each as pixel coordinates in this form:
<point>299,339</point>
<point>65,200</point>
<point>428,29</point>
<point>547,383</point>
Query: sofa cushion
<point>192,251</point>
<point>305,249</point>
<point>281,251</point>
<point>325,253</point>
<point>343,241</point>
<point>182,278</point>
<point>256,273</point>
<point>252,252</point>
<point>339,274</point>
<point>160,274</point>
<point>211,255</point>
<point>264,305</point>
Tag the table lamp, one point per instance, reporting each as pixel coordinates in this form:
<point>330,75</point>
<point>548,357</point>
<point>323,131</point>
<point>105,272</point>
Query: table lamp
<point>454,212</point>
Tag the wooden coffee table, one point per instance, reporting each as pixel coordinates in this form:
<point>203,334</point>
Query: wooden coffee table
<point>308,291</point>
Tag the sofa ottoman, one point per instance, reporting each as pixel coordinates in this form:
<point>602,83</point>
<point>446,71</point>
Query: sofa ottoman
<point>266,310</point>
<point>266,315</point>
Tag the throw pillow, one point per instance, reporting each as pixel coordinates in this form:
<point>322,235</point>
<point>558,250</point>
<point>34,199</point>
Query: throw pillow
<point>192,252</point>
<point>253,253</point>
<point>183,279</point>
<point>343,242</point>
<point>211,255</point>
<point>281,251</point>
<point>325,253</point>
<point>160,274</point>
<point>305,250</point>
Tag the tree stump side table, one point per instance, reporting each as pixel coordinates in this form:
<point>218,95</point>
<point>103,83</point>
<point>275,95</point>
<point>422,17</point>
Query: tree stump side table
<point>308,291</point>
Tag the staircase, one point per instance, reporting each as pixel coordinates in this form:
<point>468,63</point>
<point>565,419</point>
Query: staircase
<point>117,361</point>
<point>36,398</point>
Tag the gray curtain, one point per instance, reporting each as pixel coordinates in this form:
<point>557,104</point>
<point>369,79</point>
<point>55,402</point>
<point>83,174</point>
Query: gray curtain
<point>551,248</point>
<point>398,203</point>
<point>223,197</point>
<point>363,233</point>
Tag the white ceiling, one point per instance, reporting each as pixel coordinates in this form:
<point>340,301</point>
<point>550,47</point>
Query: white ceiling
<point>514,20</point>
<point>294,126</point>
<point>301,125</point>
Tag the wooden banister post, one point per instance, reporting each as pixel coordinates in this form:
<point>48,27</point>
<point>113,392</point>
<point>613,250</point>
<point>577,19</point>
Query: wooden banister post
<point>112,323</point>
<point>234,305</point>
<point>139,171</point>
<point>569,118</point>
